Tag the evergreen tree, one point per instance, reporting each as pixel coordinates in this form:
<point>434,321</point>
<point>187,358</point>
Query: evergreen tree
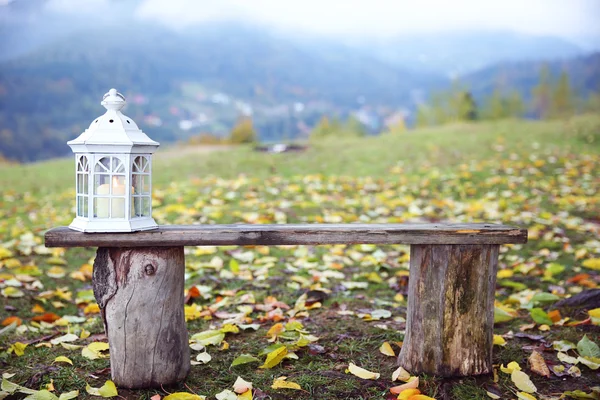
<point>515,108</point>
<point>542,94</point>
<point>562,98</point>
<point>353,127</point>
<point>423,117</point>
<point>243,131</point>
<point>323,128</point>
<point>466,108</point>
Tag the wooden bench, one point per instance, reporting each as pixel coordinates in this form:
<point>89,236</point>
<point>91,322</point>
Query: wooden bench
<point>138,282</point>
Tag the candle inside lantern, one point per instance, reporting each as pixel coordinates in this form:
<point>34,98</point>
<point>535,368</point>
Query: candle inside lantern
<point>117,209</point>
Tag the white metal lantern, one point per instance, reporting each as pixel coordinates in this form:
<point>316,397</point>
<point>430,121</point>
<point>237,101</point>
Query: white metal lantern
<point>113,173</point>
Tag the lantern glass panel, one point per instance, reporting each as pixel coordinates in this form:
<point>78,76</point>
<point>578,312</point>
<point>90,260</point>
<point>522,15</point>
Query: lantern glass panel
<point>146,206</point>
<point>101,184</point>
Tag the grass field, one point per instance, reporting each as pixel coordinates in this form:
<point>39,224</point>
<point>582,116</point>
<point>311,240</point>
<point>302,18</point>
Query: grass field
<point>544,176</point>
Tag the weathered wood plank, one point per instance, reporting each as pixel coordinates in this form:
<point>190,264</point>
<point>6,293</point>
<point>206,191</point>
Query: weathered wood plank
<point>450,318</point>
<point>140,292</point>
<point>292,234</point>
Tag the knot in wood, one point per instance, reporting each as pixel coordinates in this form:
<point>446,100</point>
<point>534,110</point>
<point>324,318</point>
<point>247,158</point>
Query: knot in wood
<point>149,269</point>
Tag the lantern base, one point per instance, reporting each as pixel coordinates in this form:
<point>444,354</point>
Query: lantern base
<point>113,225</point>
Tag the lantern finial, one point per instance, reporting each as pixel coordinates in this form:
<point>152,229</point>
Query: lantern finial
<point>113,100</point>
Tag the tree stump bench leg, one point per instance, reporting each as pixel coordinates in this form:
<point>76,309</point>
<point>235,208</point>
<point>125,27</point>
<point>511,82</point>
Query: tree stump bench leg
<point>140,294</point>
<point>450,321</point>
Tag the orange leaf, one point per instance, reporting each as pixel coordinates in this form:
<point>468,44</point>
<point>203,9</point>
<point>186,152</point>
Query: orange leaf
<point>577,278</point>
<point>538,364</point>
<point>48,317</point>
<point>411,384</point>
<point>194,292</point>
<point>555,316</point>
<point>37,309</point>
<point>10,320</point>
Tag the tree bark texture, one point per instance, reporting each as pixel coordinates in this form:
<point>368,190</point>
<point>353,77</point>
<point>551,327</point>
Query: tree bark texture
<point>140,294</point>
<point>450,321</point>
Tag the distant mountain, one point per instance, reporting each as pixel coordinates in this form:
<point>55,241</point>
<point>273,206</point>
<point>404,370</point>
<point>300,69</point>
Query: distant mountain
<point>48,95</point>
<point>458,53</point>
<point>583,71</point>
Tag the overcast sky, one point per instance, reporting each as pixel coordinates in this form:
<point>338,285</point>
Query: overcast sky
<point>566,18</point>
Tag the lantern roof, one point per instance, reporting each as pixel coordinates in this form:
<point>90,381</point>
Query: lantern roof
<point>113,132</point>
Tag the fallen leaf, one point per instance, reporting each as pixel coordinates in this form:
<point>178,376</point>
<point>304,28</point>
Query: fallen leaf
<point>512,366</point>
<point>226,395</point>
<point>587,348</point>
<point>362,373</point>
<point>522,381</point>
<point>241,386</point>
<point>412,383</point>
<point>406,394</point>
<point>283,383</point>
<point>538,364</point>
<point>183,396</point>
<point>400,374</point>
<point>69,395</point>
<point>525,396</point>
<point>95,350</point>
<point>275,357</point>
<point>63,359</point>
<point>18,348</point>
<point>499,340</point>
<point>387,350</point>
<point>244,359</point>
<point>47,317</point>
<point>107,390</point>
<point>16,320</point>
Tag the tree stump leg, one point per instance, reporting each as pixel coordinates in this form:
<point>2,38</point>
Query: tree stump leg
<point>140,294</point>
<point>450,321</point>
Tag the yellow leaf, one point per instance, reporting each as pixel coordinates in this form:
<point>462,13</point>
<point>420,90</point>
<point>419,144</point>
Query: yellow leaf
<point>12,292</point>
<point>107,390</point>
<point>512,366</point>
<point>595,316</point>
<point>387,350</point>
<point>95,350</point>
<point>412,383</point>
<point>56,272</point>
<point>275,357</point>
<point>525,396</point>
<point>538,364</point>
<point>499,340</point>
<point>183,396</point>
<point>37,309</point>
<point>245,396</point>
<point>91,309</point>
<point>362,373</point>
<point>69,395</point>
<point>282,383</point>
<point>400,374</point>
<point>63,359</point>
<point>241,386</point>
<point>405,394</point>
<point>18,348</point>
<point>522,381</point>
<point>420,397</point>
<point>274,331</point>
<point>505,273</point>
<point>84,334</point>
<point>592,263</point>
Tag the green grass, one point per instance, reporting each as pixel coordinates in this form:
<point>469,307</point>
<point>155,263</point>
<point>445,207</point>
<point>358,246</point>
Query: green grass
<point>539,175</point>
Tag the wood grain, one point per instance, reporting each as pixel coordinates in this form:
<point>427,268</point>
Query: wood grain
<point>450,317</point>
<point>292,234</point>
<point>140,292</point>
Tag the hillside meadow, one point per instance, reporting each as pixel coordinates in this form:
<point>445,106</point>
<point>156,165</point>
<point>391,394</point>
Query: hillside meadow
<point>328,306</point>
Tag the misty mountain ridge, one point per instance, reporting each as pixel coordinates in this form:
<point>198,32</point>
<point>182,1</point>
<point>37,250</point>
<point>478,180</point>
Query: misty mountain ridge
<point>202,78</point>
